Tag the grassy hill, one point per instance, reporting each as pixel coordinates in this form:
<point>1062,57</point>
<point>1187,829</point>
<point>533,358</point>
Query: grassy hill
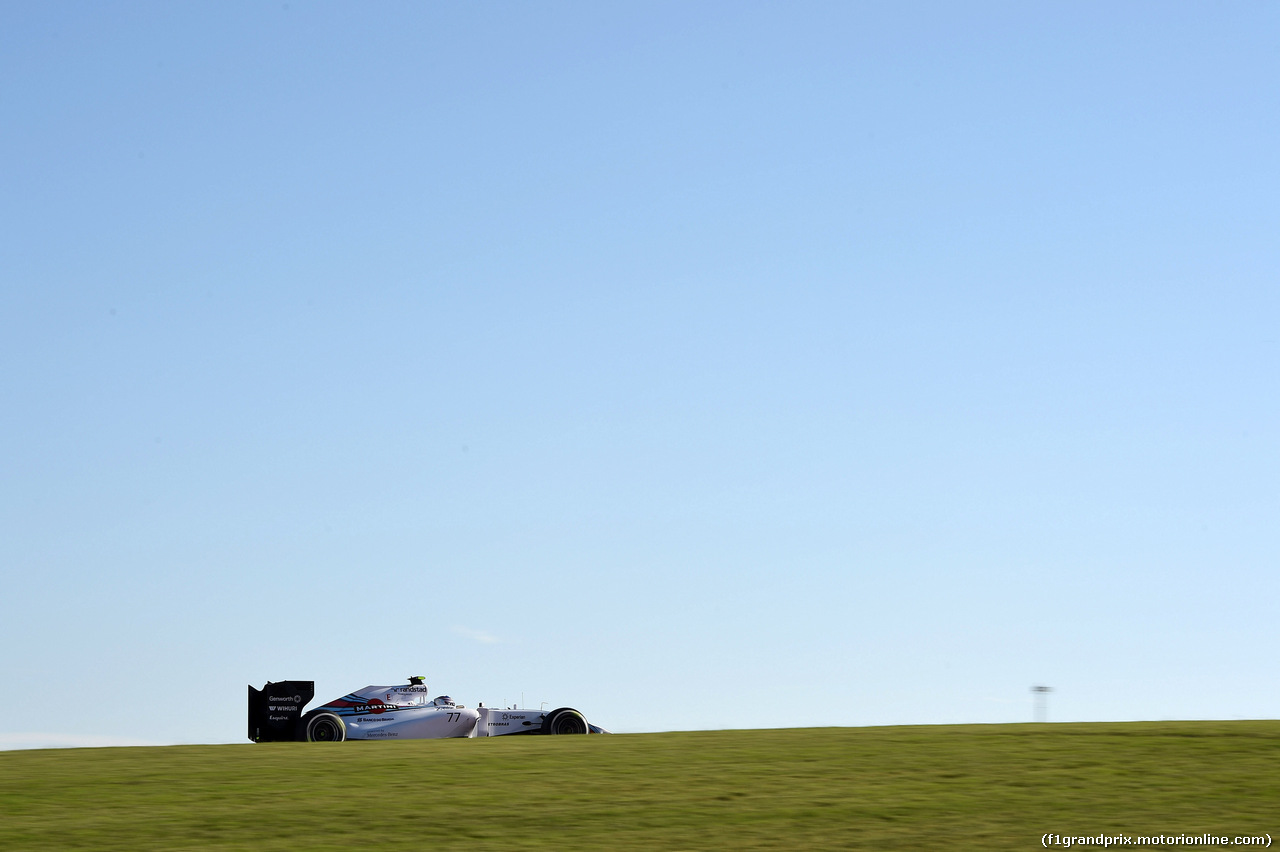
<point>935,787</point>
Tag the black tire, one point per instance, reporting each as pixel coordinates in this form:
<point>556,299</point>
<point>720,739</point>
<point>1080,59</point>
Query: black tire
<point>326,728</point>
<point>566,720</point>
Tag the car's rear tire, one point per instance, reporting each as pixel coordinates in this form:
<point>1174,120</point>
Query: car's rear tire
<point>326,728</point>
<point>566,720</point>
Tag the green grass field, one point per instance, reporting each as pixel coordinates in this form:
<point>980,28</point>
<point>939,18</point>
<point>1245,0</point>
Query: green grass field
<point>949,787</point>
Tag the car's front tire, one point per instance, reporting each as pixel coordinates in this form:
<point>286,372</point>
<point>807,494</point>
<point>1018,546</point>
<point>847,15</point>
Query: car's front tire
<point>326,728</point>
<point>566,720</point>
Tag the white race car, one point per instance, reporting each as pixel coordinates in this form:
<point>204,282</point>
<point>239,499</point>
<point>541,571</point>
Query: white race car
<point>404,712</point>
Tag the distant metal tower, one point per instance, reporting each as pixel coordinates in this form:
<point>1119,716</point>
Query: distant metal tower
<point>1041,699</point>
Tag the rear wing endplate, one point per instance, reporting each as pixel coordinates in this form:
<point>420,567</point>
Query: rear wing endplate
<point>275,711</point>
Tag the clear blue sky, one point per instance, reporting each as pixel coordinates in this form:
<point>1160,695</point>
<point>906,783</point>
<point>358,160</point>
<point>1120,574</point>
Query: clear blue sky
<point>699,365</point>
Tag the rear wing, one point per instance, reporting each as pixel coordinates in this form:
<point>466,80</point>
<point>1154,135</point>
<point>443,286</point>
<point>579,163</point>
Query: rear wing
<point>275,711</point>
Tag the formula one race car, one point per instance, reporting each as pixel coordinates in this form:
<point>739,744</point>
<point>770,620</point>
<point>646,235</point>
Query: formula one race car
<point>392,712</point>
